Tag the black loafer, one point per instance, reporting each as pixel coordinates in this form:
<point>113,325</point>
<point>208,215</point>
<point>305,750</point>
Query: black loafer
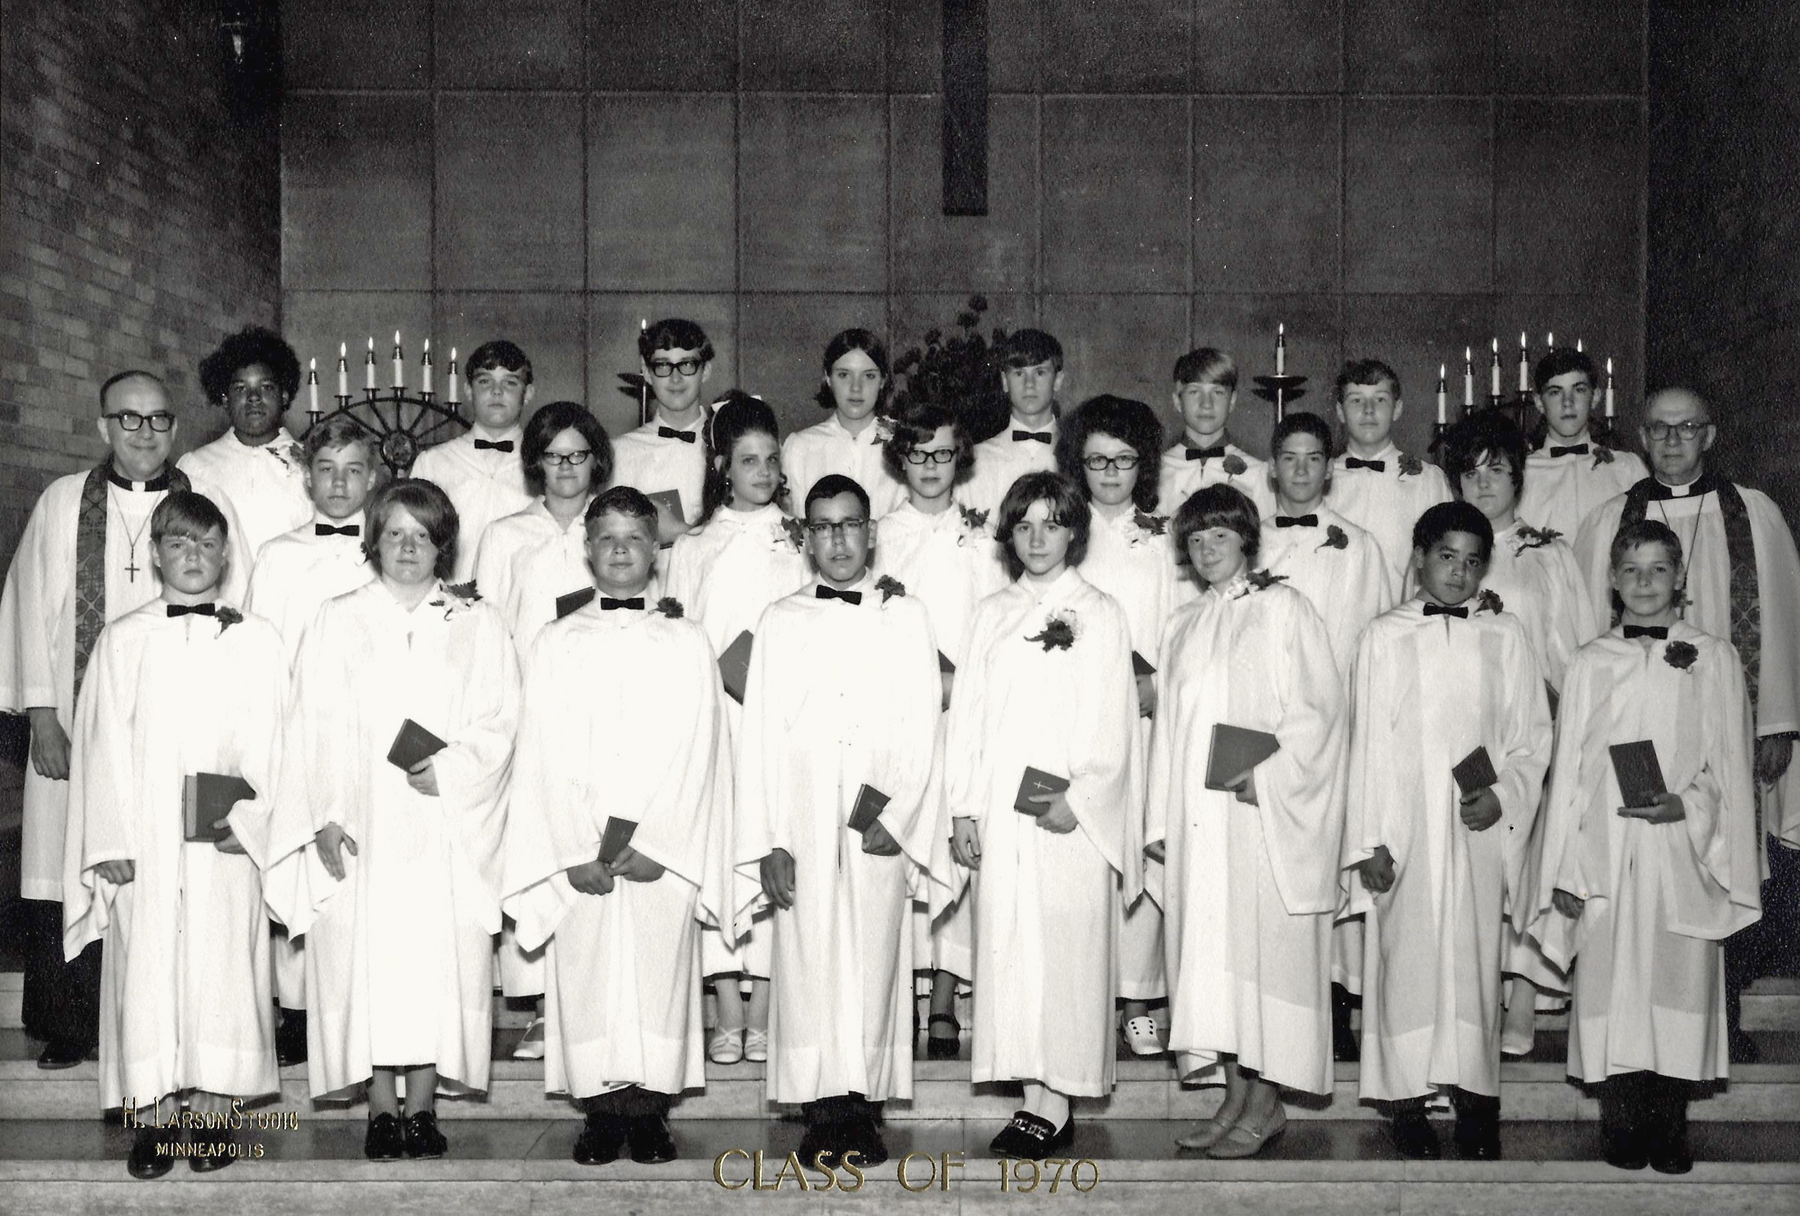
<point>943,1047</point>
<point>866,1141</point>
<point>1481,1143</point>
<point>650,1140</point>
<point>290,1038</point>
<point>1671,1155</point>
<point>1031,1138</point>
<point>423,1139</point>
<point>1623,1150</point>
<point>211,1153</point>
<point>150,1155</point>
<point>1414,1137</point>
<point>386,1140</point>
<point>824,1143</point>
<point>600,1140</point>
<point>60,1053</point>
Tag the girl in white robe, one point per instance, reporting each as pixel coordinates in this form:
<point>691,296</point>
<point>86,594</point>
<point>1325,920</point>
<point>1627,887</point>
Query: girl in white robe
<point>1111,447</point>
<point>1637,900</point>
<point>1251,878</point>
<point>1048,686</point>
<point>399,893</point>
<point>744,554</point>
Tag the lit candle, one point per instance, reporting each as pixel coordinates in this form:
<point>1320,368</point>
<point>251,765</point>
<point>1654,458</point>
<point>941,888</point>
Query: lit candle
<point>1609,389</point>
<point>1578,347</point>
<point>1494,372</point>
<point>312,385</point>
<point>370,367</point>
<point>399,363</point>
<point>453,385</point>
<point>1281,349</point>
<point>1468,377</point>
<point>1524,366</point>
<point>1550,340</point>
<point>343,369</point>
<point>425,370</point>
<point>1443,415</point>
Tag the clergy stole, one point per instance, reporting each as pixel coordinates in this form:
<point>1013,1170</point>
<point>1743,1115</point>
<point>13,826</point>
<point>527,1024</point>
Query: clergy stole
<point>90,559</point>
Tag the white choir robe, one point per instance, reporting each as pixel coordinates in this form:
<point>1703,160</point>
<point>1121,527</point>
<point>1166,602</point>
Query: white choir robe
<point>1131,557</point>
<point>654,463</point>
<point>620,716</point>
<point>1046,965</point>
<point>725,573</point>
<point>1249,891</point>
<point>399,954</point>
<point>483,485</point>
<point>184,988</point>
<point>841,695</point>
<point>1427,691</point>
<point>1649,973</point>
<point>295,573</point>
<point>1181,477</point>
<point>828,447</point>
<point>266,484</point>
<point>1002,460</point>
<point>1387,504</point>
<point>1697,520</point>
<point>1562,491</point>
<point>37,633</point>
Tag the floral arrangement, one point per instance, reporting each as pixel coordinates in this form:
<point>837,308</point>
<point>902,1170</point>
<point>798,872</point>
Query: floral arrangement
<point>1602,455</point>
<point>1233,464</point>
<point>957,369</point>
<point>889,586</point>
<point>1680,655</point>
<point>1262,580</point>
<point>1335,538</point>
<point>227,616</point>
<point>793,531</point>
<point>1154,525</point>
<point>671,607</point>
<point>973,519</point>
<point>1488,600</point>
<point>1410,465</point>
<point>1058,633</point>
<point>1536,538</point>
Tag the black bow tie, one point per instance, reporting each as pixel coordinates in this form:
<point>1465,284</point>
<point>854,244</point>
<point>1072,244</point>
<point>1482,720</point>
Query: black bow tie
<point>1461,614</point>
<point>329,530</point>
<point>1658,632</point>
<point>193,610</point>
<point>1574,449</point>
<point>495,445</point>
<point>1039,436</point>
<point>159,482</point>
<point>608,604</point>
<point>1374,466</point>
<point>1216,451</point>
<point>669,432</point>
<point>832,593</point>
<point>1296,521</point>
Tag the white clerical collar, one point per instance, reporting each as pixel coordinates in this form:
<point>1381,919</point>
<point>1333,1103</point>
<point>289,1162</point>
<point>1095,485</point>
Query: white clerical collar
<point>1684,490</point>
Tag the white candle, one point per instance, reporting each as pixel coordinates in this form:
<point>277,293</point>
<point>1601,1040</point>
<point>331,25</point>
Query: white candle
<point>1281,349</point>
<point>425,370</point>
<point>399,363</point>
<point>1494,372</point>
<point>370,366</point>
<point>1578,347</point>
<point>343,369</point>
<point>312,385</point>
<point>1443,415</point>
<point>453,385</point>
<point>1550,340</point>
<point>1468,377</point>
<point>1609,389</point>
<point>1524,366</point>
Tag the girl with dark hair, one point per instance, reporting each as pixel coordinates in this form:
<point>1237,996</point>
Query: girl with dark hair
<point>851,440</point>
<point>389,850</point>
<point>1045,780</point>
<point>745,554</point>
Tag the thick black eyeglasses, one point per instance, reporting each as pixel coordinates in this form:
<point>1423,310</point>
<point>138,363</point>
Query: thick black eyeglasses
<point>131,420</point>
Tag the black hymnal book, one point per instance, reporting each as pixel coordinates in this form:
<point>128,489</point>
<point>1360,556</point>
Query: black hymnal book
<point>1140,666</point>
<point>1037,781</point>
<point>870,802</point>
<point>413,744</point>
<point>945,665</point>
<point>1639,772</point>
<point>207,798</point>
<point>615,837</point>
<point>574,600</point>
<point>734,666</point>
<point>1235,751</point>
<point>1475,771</point>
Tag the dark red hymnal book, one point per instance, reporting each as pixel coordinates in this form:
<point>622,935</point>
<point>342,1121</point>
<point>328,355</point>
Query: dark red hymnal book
<point>413,744</point>
<point>734,666</point>
<point>207,798</point>
<point>1639,772</point>
<point>615,838</point>
<point>1475,771</point>
<point>1037,781</point>
<point>1235,751</point>
<point>573,601</point>
<point>870,802</point>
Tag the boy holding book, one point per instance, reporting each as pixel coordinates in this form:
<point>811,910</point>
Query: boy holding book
<point>666,456</point>
<point>183,691</point>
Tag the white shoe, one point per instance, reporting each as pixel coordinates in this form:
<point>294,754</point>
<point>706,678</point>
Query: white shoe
<point>756,1045</point>
<point>1140,1036</point>
<point>531,1047</point>
<point>727,1046</point>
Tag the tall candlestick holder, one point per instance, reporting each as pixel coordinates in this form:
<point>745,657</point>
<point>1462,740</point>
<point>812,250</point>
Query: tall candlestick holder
<point>399,424</point>
<point>633,385</point>
<point>1280,390</point>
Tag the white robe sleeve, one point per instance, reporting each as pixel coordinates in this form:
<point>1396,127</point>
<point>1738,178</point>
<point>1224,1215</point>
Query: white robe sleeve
<point>38,586</point>
<point>103,792</point>
<point>1520,760</point>
<point>1712,878</point>
<point>1106,770</point>
<point>963,743</point>
<point>1559,859</point>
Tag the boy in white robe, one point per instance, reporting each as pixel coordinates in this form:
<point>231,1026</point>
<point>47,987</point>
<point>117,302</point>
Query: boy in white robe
<point>182,686</point>
<point>620,934</point>
<point>82,560</point>
<point>1374,484</point>
<point>1206,382</point>
<point>1571,473</point>
<point>1435,679</point>
<point>295,573</point>
<point>480,469</point>
<point>669,451</point>
<point>253,377</point>
<point>851,440</point>
<point>1637,899</point>
<point>1031,373</point>
<point>394,873</point>
<point>1049,686</point>
<point>841,712</point>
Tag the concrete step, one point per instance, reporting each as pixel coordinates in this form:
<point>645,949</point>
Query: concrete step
<point>503,1168</point>
<point>1535,1088</point>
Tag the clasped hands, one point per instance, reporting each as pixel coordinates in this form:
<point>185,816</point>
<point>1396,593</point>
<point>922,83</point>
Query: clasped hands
<point>596,877</point>
<point>777,868</point>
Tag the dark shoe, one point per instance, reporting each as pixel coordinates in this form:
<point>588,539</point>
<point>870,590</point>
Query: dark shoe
<point>824,1143</point>
<point>1344,1045</point>
<point>1623,1150</point>
<point>1672,1155</point>
<point>943,1047</point>
<point>212,1151</point>
<point>865,1139</point>
<point>651,1141</point>
<point>600,1140</point>
<point>386,1140</point>
<point>423,1139</point>
<point>60,1053</point>
<point>1477,1140</point>
<point>1031,1138</point>
<point>1414,1136</point>
<point>290,1038</point>
<point>150,1156</point>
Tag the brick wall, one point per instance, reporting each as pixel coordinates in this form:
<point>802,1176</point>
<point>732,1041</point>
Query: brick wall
<point>141,215</point>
